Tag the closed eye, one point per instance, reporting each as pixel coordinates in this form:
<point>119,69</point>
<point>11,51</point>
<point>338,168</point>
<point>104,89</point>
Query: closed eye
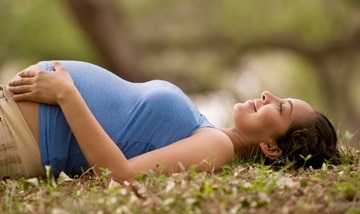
<point>281,107</point>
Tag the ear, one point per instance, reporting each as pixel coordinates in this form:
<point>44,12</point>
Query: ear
<point>270,149</point>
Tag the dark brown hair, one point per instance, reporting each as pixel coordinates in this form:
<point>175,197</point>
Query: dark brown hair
<point>308,144</point>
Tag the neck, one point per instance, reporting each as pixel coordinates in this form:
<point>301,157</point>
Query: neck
<point>243,149</point>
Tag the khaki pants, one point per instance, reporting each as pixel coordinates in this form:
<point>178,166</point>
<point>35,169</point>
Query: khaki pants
<point>19,152</point>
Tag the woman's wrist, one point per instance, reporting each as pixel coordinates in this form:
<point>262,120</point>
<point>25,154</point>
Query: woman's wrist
<point>66,94</point>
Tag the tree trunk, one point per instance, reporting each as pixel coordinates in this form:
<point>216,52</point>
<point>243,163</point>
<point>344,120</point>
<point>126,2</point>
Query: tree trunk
<point>336,88</point>
<point>102,23</point>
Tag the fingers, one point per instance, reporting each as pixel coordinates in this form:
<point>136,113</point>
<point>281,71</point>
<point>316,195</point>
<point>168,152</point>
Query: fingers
<point>58,66</point>
<point>21,81</point>
<point>23,97</point>
<point>31,67</point>
<point>30,71</point>
<point>20,89</point>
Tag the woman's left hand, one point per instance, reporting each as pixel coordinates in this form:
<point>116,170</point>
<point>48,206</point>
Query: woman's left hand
<point>36,85</point>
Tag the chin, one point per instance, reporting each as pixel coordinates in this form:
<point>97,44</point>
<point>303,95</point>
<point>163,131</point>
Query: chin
<point>239,107</point>
<point>239,113</point>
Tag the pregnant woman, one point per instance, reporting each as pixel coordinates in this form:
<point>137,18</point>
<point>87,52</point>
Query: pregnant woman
<point>74,115</point>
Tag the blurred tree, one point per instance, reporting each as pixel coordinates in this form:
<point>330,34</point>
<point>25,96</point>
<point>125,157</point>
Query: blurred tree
<point>324,34</point>
<point>103,23</point>
<point>38,30</point>
<point>334,63</point>
<point>196,44</point>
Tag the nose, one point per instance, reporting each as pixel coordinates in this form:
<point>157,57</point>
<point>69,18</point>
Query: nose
<point>268,97</point>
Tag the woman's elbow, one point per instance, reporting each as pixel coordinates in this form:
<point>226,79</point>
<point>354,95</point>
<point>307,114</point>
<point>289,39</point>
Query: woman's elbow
<point>123,175</point>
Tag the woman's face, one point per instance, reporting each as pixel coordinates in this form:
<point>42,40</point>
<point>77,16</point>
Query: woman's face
<point>267,117</point>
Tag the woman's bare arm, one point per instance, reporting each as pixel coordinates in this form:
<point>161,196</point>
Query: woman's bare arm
<point>208,149</point>
<point>98,148</point>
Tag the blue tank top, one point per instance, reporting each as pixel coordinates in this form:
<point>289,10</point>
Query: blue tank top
<point>139,117</point>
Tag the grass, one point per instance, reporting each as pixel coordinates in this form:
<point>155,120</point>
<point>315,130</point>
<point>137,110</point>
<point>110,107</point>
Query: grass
<point>237,188</point>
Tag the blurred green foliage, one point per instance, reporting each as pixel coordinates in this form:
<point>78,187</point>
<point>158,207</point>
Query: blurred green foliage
<point>198,40</point>
<point>39,29</point>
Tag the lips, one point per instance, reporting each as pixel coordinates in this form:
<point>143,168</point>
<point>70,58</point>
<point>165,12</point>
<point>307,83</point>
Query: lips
<point>252,103</point>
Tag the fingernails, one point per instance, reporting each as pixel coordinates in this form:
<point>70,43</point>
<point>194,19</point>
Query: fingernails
<point>13,82</point>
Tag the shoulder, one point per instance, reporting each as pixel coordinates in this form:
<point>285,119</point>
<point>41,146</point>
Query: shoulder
<point>216,136</point>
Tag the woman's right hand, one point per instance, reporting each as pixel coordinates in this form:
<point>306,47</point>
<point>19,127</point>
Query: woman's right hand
<point>36,85</point>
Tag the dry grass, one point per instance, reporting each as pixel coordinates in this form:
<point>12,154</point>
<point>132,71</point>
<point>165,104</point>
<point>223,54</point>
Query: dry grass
<point>237,188</point>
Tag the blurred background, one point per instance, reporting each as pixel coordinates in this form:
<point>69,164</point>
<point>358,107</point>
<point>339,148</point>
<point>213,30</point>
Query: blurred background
<point>218,52</point>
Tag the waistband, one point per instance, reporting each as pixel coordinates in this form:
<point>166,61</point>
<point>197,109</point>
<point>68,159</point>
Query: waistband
<point>19,152</point>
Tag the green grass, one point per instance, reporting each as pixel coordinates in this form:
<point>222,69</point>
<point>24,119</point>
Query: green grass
<point>237,188</point>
